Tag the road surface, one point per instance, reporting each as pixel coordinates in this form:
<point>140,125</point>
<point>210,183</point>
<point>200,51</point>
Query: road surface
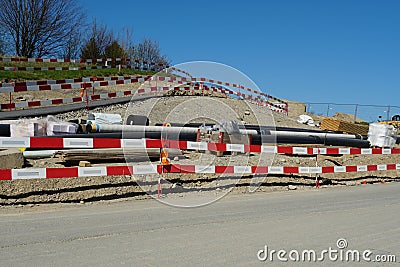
<point>231,231</point>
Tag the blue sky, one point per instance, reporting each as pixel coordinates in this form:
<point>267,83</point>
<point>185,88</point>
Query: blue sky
<point>344,51</point>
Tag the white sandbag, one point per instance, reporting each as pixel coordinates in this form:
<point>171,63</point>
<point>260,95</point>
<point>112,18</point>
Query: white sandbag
<point>56,126</point>
<point>104,118</point>
<point>305,119</point>
<point>382,135</point>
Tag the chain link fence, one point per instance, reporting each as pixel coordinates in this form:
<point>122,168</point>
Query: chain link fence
<point>368,113</point>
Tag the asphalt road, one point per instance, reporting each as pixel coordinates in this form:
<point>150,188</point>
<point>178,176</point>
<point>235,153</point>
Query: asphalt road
<point>228,232</point>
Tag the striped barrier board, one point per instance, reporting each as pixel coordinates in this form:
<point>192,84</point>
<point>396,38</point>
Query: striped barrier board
<point>93,143</point>
<point>15,68</point>
<point>17,85</point>
<point>103,96</point>
<point>74,172</point>
<point>90,60</point>
<point>70,85</point>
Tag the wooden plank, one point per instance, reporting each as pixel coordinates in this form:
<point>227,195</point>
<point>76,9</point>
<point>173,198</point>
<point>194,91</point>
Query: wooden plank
<point>335,125</point>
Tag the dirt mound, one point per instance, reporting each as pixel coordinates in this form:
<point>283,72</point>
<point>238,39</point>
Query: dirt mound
<point>347,117</point>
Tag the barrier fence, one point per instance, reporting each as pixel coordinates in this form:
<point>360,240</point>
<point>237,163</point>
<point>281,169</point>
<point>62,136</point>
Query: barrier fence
<point>74,172</point>
<point>368,113</point>
<point>93,143</point>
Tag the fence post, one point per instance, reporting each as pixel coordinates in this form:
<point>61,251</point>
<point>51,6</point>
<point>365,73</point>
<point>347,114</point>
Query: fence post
<point>388,113</point>
<point>355,113</point>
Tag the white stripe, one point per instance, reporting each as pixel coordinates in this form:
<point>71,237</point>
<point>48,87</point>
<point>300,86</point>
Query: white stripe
<point>362,168</point>
<point>76,86</point>
<point>304,170</point>
<point>382,167</point>
<point>345,151</point>
<point>67,100</point>
<point>104,96</point>
<point>204,169</point>
<point>28,173</point>
<point>86,80</point>
<point>145,169</point>
<point>366,151</point>
<point>386,151</point>
<point>55,87</point>
<point>6,89</point>
<point>21,104</point>
<point>92,171</point>
<point>133,143</point>
<point>269,149</point>
<point>397,166</point>
<point>45,102</point>
<point>197,145</point>
<point>235,147</point>
<point>275,169</point>
<point>299,150</point>
<point>242,169</point>
<point>78,142</point>
<point>15,142</point>
<point>315,169</point>
<point>120,94</point>
<point>340,169</point>
<point>33,88</point>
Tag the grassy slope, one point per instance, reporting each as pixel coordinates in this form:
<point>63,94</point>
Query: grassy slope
<point>54,75</point>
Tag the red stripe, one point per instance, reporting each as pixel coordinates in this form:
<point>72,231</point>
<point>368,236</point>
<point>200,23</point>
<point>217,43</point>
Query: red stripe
<point>376,151</point>
<point>259,169</point>
<point>67,172</point>
<point>395,150</point>
<point>187,168</point>
<point>34,104</point>
<point>285,150</point>
<point>328,169</point>
<point>332,151</point>
<point>372,167</point>
<point>20,88</point>
<point>119,170</point>
<point>153,143</point>
<point>173,168</point>
<point>95,97</point>
<point>106,143</point>
<point>66,86</point>
<point>44,142</point>
<point>351,168</point>
<point>290,170</point>
<point>355,151</point>
<point>5,174</point>
<point>391,167</point>
<point>57,101</point>
<point>224,169</point>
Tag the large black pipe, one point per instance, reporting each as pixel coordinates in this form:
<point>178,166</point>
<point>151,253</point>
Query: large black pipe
<point>5,130</point>
<point>250,127</point>
<point>257,139</point>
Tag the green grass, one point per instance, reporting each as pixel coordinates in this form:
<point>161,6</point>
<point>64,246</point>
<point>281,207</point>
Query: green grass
<point>56,75</point>
<point>61,74</point>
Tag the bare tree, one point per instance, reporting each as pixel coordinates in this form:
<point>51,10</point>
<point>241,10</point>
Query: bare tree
<point>149,50</point>
<point>40,27</point>
<point>72,47</point>
<point>126,41</point>
<point>97,41</point>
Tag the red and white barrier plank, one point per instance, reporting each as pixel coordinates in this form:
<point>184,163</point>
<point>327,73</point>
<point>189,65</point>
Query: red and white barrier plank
<point>93,143</point>
<point>74,172</point>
